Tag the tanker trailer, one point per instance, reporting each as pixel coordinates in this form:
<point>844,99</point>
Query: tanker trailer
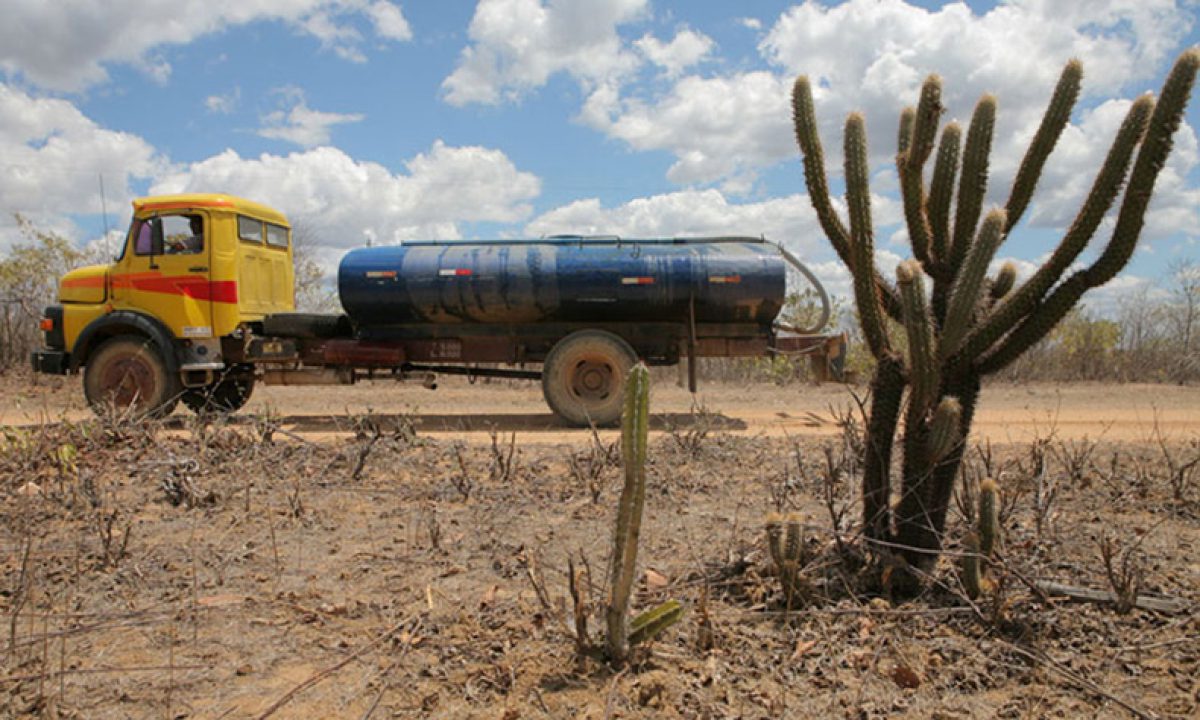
<point>585,308</point>
<point>197,308</point>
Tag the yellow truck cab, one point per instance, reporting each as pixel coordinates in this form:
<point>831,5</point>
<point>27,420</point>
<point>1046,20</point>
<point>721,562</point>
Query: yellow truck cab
<point>155,326</point>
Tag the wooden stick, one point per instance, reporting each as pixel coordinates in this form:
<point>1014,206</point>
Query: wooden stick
<point>1156,604</point>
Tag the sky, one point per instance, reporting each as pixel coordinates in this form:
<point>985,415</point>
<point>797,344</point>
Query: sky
<point>384,120</point>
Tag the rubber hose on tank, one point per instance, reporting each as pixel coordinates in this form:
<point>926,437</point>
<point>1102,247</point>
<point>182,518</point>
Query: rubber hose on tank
<point>826,308</point>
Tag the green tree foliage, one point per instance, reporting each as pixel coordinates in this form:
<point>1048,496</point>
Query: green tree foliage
<point>29,276</point>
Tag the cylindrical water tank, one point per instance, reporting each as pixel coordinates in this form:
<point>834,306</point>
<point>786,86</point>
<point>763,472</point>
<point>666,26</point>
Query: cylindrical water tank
<point>563,279</point>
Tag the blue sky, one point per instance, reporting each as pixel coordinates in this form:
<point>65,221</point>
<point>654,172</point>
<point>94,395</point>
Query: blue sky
<point>382,120</point>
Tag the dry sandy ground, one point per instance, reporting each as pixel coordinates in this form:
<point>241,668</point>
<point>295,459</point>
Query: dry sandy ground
<point>1007,413</point>
<point>184,570</point>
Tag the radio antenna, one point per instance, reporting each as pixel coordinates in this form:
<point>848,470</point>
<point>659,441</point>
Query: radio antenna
<point>104,213</point>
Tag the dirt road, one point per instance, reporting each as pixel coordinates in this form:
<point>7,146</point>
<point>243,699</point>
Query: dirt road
<point>1007,413</point>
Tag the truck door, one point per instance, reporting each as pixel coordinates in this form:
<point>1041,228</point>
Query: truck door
<point>165,272</point>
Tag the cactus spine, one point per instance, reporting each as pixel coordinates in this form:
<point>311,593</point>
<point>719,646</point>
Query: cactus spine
<point>634,435</point>
<point>967,326</point>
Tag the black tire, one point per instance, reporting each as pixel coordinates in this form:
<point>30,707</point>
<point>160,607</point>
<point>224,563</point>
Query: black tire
<point>313,326</point>
<point>227,395</point>
<point>583,377</point>
<point>128,372</point>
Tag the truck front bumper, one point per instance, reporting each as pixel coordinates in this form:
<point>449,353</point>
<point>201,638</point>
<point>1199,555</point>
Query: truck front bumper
<point>50,362</point>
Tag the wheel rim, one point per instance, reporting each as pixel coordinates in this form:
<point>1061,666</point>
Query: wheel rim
<point>592,380</point>
<point>128,380</point>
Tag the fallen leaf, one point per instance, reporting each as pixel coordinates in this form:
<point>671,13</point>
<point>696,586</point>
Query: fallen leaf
<point>802,648</point>
<point>906,677</point>
<point>656,580</point>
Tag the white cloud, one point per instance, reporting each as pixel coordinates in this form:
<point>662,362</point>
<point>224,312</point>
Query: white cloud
<point>750,23</point>
<point>389,21</point>
<point>52,158</point>
<point>516,45</point>
<point>688,48</point>
<point>1076,161</point>
<point>725,128</point>
<point>1015,51</point>
<point>223,104</point>
<point>66,44</point>
<point>297,123</point>
<point>788,220</point>
<point>341,200</point>
<point>715,127</point>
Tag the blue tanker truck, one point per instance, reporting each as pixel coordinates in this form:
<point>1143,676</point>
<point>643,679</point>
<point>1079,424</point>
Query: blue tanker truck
<point>573,312</point>
<point>584,308</point>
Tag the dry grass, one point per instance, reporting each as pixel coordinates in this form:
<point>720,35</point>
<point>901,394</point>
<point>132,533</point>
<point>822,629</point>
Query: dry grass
<point>224,570</point>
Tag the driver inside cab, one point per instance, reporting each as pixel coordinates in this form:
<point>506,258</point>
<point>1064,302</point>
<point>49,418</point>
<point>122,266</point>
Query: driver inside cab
<point>183,243</point>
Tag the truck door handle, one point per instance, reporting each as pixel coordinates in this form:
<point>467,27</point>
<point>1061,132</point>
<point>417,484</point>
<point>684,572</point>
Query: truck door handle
<point>198,268</point>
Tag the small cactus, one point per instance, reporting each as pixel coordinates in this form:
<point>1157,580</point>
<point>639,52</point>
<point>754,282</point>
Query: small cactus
<point>785,543</point>
<point>980,544</point>
<point>988,520</point>
<point>972,566</point>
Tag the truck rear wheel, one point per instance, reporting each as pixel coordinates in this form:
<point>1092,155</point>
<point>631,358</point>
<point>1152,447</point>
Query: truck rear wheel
<point>226,395</point>
<point>128,373</point>
<point>583,377</point>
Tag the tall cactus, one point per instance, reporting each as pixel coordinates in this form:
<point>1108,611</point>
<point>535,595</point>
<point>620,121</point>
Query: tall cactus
<point>634,436</point>
<point>967,325</point>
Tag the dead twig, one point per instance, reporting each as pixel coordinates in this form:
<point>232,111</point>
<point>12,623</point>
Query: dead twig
<point>1074,677</point>
<point>319,676</point>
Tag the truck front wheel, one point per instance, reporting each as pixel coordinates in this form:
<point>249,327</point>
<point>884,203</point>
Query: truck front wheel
<point>128,373</point>
<point>226,395</point>
<point>583,377</point>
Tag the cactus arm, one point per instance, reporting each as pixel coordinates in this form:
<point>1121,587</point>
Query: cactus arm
<point>809,140</point>
<point>972,184</point>
<point>634,433</point>
<point>922,531</point>
<point>862,242</point>
<point>1005,279</point>
<point>1156,146</point>
<point>1104,191</point>
<point>904,135</point>
<point>1058,113</point>
<point>911,163</point>
<point>650,624</point>
<point>918,326</point>
<point>941,191</point>
<point>925,124</point>
<point>944,430</point>
<point>887,389</point>
<point>965,292</point>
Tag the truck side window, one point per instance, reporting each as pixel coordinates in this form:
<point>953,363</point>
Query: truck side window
<point>250,230</point>
<point>143,238</point>
<point>277,236</point>
<point>182,234</point>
